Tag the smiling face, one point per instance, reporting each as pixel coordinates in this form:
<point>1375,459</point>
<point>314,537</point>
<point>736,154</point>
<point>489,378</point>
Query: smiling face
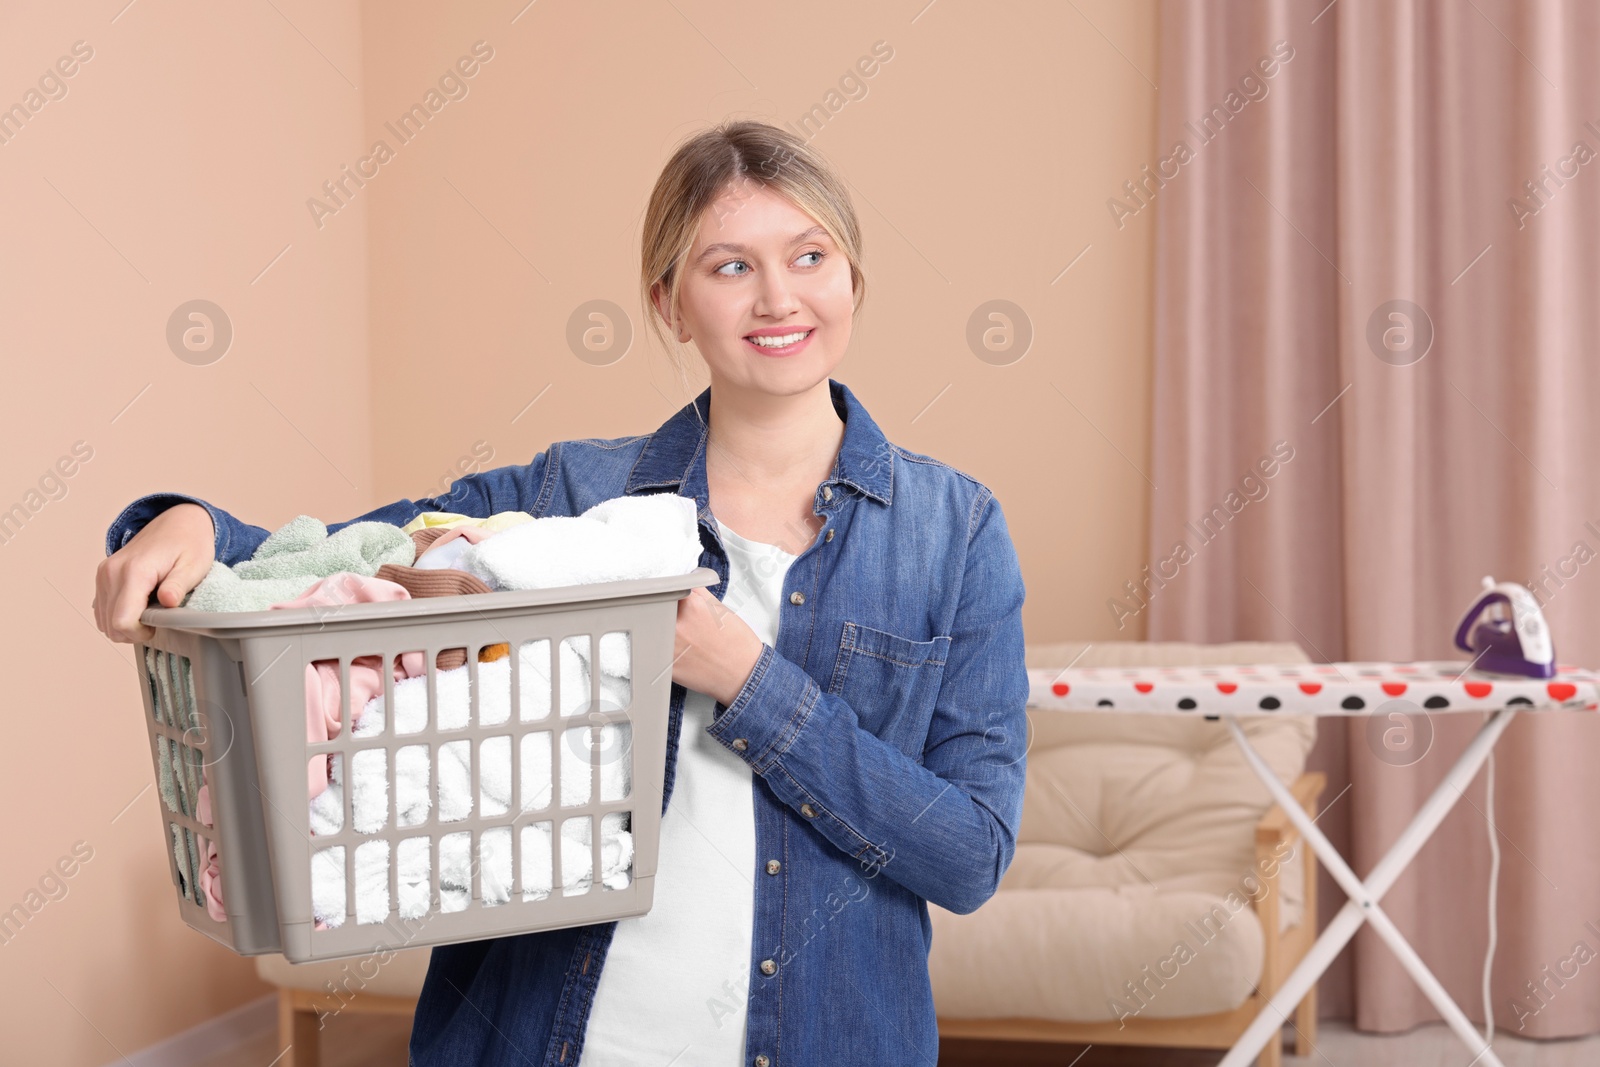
<point>765,294</point>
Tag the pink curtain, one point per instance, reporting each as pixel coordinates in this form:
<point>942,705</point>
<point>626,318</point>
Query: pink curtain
<point>1378,265</point>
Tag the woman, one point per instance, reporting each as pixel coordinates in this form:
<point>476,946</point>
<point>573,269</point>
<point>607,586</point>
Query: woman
<point>855,684</point>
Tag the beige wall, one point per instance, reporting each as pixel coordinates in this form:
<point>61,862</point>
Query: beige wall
<point>178,166</point>
<point>982,156</point>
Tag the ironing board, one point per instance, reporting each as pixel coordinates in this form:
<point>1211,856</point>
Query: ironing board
<point>1344,690</point>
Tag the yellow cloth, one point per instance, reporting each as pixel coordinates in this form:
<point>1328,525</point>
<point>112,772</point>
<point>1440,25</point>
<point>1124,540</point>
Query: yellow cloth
<point>446,519</point>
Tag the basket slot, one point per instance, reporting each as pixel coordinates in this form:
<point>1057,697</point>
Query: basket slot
<point>371,867</point>
<point>152,693</point>
<point>571,839</point>
<point>369,790</point>
<point>576,785</point>
<point>537,790</point>
<point>328,816</point>
<point>455,764</point>
<point>455,853</point>
<point>617,645</point>
<point>162,682</point>
<point>410,809</point>
<point>532,672</point>
<point>620,821</point>
<point>330,890</point>
<point>393,721</point>
<point>575,698</point>
<point>188,874</point>
<point>536,867</point>
<point>494,867</point>
<point>416,898</point>
<point>494,752</point>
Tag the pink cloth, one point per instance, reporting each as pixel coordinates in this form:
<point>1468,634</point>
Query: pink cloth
<point>210,869</point>
<point>323,716</point>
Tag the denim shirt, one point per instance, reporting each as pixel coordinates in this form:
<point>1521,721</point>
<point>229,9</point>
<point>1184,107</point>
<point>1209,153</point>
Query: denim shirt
<point>885,731</point>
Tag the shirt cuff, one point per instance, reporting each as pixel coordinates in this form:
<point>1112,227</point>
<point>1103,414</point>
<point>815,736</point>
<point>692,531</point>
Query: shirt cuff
<point>138,514</point>
<point>767,714</point>
<point>763,722</point>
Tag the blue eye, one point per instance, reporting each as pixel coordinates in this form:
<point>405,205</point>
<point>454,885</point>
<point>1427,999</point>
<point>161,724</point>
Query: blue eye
<point>818,254</point>
<point>723,270</point>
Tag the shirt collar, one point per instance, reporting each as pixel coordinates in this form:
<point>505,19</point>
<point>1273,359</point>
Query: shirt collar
<point>675,455</point>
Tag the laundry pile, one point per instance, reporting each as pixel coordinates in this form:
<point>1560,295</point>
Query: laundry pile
<point>370,802</point>
<point>441,554</point>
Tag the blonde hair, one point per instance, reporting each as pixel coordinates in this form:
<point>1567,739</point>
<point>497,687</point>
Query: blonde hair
<point>702,168</point>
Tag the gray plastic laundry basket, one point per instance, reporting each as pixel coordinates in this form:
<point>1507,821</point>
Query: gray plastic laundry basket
<point>225,699</point>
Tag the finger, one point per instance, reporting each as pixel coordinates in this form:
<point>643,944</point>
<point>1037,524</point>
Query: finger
<point>132,597</point>
<point>176,585</point>
<point>99,597</point>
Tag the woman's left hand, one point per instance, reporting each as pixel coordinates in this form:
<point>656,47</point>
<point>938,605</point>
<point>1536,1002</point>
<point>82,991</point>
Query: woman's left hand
<point>715,649</point>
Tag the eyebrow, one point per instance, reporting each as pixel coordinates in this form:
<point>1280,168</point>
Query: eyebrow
<point>711,250</point>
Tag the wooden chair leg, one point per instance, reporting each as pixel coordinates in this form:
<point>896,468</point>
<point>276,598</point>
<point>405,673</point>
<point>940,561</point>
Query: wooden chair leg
<point>297,1028</point>
<point>1305,1024</point>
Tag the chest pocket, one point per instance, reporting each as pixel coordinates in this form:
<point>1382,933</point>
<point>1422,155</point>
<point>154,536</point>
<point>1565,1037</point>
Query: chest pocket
<point>890,682</point>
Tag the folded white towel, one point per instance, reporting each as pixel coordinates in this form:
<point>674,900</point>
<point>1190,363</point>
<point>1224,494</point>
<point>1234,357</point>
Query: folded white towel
<point>369,798</point>
<point>616,855</point>
<point>626,537</point>
<point>455,869</point>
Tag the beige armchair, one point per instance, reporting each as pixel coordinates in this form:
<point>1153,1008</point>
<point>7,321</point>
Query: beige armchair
<point>1157,896</point>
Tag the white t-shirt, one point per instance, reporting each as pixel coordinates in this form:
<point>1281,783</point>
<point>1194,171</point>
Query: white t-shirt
<point>675,981</point>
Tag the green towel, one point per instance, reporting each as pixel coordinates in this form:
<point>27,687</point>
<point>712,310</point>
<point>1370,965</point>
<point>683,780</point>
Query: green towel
<point>177,773</point>
<point>294,557</point>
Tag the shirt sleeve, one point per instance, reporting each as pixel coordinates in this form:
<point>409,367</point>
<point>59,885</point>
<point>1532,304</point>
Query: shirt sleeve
<point>945,828</point>
<point>479,495</point>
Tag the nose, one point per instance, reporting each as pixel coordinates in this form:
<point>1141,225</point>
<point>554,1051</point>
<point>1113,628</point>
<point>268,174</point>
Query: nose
<point>775,299</point>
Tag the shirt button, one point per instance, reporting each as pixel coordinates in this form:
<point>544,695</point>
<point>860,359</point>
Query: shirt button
<point>762,1061</point>
<point>797,597</point>
<point>768,967</point>
<point>829,537</point>
<point>740,744</point>
<point>827,494</point>
<point>808,811</point>
<point>773,866</point>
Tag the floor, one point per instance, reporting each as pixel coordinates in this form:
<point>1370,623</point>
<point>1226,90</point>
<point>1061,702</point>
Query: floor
<point>1338,1046</point>
<point>380,1041</point>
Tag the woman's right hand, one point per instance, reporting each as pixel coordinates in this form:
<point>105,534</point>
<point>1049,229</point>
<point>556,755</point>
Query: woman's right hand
<point>174,551</point>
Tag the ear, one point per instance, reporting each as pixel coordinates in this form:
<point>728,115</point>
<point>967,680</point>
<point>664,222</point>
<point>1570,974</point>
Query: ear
<point>658,298</point>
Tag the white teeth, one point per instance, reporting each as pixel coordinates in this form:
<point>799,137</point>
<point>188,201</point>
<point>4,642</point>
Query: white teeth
<point>779,341</point>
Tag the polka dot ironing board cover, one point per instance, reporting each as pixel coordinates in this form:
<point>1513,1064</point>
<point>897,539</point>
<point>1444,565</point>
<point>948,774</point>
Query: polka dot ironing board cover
<point>1307,689</point>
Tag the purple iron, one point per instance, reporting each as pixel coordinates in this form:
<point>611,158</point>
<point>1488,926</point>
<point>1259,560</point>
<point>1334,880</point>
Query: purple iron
<point>1518,644</point>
